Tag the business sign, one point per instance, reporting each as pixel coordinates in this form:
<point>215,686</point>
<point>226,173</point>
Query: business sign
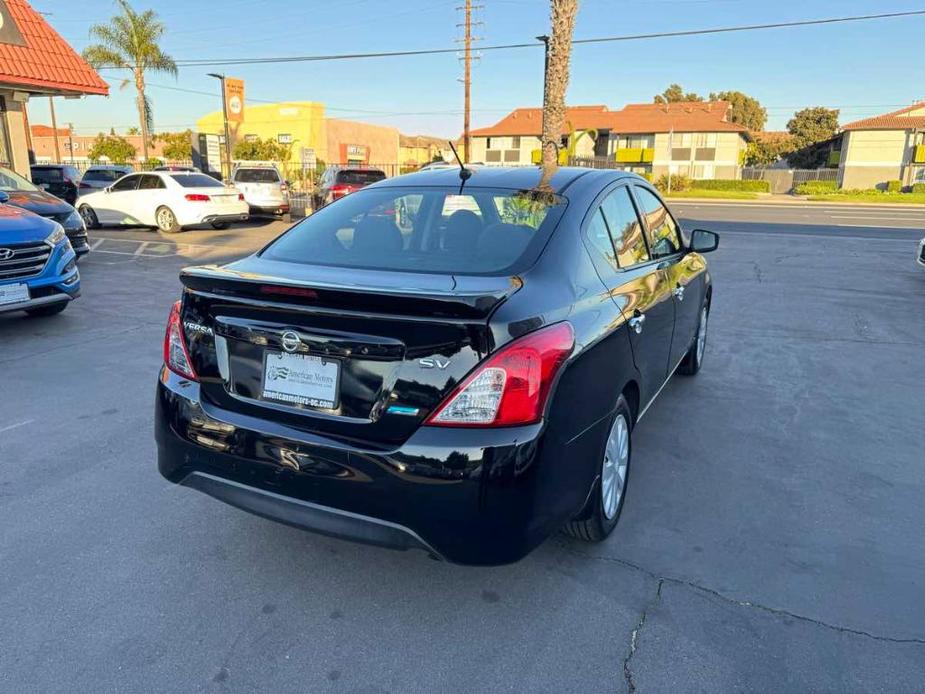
<point>207,152</point>
<point>234,99</point>
<point>9,32</point>
<point>309,160</point>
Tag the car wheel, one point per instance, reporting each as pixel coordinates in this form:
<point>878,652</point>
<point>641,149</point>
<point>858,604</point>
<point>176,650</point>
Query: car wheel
<point>166,220</point>
<point>89,217</point>
<point>600,515</point>
<point>219,225</point>
<point>49,310</point>
<point>693,360</point>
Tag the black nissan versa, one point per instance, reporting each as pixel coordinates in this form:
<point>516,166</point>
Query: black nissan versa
<point>462,377</point>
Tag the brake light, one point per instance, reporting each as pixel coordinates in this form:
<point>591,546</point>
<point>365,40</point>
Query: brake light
<point>511,387</point>
<point>197,197</point>
<point>176,354</point>
<point>339,190</point>
<point>283,188</point>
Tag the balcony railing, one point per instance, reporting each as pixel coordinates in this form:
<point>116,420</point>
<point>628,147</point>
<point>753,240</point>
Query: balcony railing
<point>635,155</point>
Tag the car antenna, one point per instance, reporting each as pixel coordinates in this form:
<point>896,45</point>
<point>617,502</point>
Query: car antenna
<point>464,173</point>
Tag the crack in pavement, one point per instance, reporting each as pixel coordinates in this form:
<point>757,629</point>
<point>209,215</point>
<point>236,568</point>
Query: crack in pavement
<point>634,638</point>
<point>744,603</point>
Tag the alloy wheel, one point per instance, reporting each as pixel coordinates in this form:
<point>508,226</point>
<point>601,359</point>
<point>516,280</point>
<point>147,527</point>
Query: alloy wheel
<point>702,334</point>
<point>616,462</point>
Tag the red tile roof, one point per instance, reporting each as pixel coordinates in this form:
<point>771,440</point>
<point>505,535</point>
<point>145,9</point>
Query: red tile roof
<point>709,116</point>
<point>47,61</point>
<point>48,131</point>
<point>896,120</point>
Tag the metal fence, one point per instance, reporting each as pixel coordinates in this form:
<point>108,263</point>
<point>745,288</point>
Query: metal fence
<point>784,180</point>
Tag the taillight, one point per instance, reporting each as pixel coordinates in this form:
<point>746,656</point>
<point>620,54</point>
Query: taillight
<point>241,197</point>
<point>511,387</point>
<point>283,187</point>
<point>197,197</point>
<point>176,355</point>
<point>339,190</point>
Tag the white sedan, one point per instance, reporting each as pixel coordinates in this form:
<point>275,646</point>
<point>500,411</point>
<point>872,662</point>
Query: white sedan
<point>168,200</point>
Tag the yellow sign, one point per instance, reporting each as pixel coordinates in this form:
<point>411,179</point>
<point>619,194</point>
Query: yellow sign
<point>234,99</point>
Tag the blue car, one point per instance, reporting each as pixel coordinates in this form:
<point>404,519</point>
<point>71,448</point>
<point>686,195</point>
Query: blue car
<point>38,265</point>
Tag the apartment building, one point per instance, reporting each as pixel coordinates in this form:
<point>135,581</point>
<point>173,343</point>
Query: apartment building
<point>884,148</point>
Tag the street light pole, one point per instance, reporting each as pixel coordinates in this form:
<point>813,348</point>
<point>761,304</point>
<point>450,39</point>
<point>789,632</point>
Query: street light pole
<point>221,78</point>
<point>545,39</point>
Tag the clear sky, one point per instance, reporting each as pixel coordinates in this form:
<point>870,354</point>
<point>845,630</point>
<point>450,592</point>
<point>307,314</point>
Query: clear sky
<point>862,68</point>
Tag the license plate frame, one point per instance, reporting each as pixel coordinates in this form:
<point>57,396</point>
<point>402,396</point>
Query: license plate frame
<point>300,369</point>
<point>18,291</point>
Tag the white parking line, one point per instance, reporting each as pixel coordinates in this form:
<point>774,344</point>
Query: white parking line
<point>141,249</point>
<point>96,244</point>
<point>16,426</point>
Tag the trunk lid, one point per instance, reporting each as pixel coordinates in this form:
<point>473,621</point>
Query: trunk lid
<point>358,355</point>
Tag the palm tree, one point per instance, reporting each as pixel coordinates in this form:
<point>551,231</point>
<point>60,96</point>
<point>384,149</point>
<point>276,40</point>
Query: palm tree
<point>130,42</point>
<point>562,20</point>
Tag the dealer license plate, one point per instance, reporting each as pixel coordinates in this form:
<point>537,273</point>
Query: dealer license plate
<point>301,379</point>
<point>13,293</point>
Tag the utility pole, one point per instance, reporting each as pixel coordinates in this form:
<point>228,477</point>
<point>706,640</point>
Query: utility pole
<point>70,140</point>
<point>54,129</point>
<point>225,118</point>
<point>467,42</point>
<point>545,40</point>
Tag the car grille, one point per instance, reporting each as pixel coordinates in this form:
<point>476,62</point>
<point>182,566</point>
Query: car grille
<point>27,260</point>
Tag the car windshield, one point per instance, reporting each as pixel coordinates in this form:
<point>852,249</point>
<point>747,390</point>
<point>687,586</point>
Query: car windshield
<point>107,175</point>
<point>256,176</point>
<point>438,230</point>
<point>361,177</point>
<point>13,181</point>
<point>196,180</point>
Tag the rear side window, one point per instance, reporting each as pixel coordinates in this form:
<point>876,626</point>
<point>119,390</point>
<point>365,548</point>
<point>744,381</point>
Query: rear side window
<point>625,228</point>
<point>107,175</point>
<point>361,177</point>
<point>47,175</point>
<point>256,176</point>
<point>664,239</point>
<point>151,182</point>
<point>196,180</point>
<point>432,230</point>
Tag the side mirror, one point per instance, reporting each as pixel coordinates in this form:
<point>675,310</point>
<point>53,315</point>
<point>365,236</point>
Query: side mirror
<point>4,197</point>
<point>703,241</point>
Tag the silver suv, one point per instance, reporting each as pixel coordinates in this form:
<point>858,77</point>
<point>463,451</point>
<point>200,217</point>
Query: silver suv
<point>264,189</point>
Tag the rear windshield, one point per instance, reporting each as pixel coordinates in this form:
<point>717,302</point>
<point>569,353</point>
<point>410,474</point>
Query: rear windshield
<point>104,175</point>
<point>256,176</point>
<point>361,177</point>
<point>196,180</point>
<point>438,230</point>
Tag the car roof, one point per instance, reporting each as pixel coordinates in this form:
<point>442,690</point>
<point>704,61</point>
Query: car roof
<point>513,177</point>
<point>108,167</point>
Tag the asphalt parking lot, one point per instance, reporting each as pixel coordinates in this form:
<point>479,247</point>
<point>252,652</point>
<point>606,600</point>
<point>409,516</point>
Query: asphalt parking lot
<point>771,539</point>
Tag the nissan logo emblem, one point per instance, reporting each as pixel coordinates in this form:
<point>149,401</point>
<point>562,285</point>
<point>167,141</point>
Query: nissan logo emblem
<point>6,253</point>
<point>290,341</point>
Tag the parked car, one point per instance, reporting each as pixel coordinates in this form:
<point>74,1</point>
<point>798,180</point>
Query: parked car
<point>168,201</point>
<point>466,384</point>
<point>101,176</point>
<point>38,267</point>
<point>921,254</point>
<point>264,189</point>
<point>58,179</point>
<point>23,193</point>
<point>336,182</point>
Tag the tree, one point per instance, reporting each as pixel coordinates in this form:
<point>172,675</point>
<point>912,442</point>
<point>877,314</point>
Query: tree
<point>810,128</point>
<point>746,110</point>
<point>562,21</point>
<point>177,146</point>
<point>130,42</point>
<point>133,131</point>
<point>262,150</point>
<point>674,94</point>
<point>768,148</point>
<point>117,149</point>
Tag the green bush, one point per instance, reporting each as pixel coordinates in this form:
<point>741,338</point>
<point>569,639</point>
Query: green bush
<point>918,188</point>
<point>732,184</point>
<point>816,187</point>
<point>678,183</point>
<point>894,186</point>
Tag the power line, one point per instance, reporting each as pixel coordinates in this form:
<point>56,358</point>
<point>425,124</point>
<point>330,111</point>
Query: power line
<point>513,46</point>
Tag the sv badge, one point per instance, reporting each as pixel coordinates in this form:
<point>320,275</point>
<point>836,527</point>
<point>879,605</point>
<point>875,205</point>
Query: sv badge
<point>434,363</point>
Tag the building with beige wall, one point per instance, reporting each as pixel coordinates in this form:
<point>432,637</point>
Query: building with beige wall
<point>694,139</point>
<point>884,148</point>
<point>76,149</point>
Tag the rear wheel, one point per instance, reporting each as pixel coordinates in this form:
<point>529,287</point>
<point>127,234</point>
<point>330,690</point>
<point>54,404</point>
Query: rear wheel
<point>49,310</point>
<point>166,220</point>
<point>693,360</point>
<point>602,512</point>
<point>89,217</point>
<point>219,225</point>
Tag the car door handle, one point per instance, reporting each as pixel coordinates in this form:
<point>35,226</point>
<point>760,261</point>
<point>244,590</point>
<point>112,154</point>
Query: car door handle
<point>636,322</point>
<point>679,292</point>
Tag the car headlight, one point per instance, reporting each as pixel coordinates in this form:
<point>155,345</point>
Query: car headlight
<point>56,236</point>
<point>74,221</point>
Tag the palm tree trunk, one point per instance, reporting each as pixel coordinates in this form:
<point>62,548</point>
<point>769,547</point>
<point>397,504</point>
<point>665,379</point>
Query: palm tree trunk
<point>562,19</point>
<point>142,112</point>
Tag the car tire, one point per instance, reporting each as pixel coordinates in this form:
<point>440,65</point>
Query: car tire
<point>693,360</point>
<point>49,310</point>
<point>89,216</point>
<point>166,220</point>
<point>219,225</point>
<point>602,510</point>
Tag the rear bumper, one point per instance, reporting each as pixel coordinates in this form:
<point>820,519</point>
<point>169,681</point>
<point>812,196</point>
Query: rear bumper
<point>269,208</point>
<point>469,496</point>
<point>210,218</point>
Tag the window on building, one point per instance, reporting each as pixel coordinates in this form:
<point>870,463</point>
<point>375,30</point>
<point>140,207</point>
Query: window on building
<point>487,143</point>
<point>5,159</point>
<point>637,141</point>
<point>284,138</point>
<point>515,142</point>
<point>705,140</point>
<point>512,155</point>
<point>493,155</point>
<point>702,171</point>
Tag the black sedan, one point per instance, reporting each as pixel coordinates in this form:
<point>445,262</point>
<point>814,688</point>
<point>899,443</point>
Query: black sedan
<point>28,196</point>
<point>463,378</point>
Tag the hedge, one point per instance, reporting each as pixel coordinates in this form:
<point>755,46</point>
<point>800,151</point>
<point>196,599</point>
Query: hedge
<point>918,187</point>
<point>894,186</point>
<point>816,187</point>
<point>731,184</point>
